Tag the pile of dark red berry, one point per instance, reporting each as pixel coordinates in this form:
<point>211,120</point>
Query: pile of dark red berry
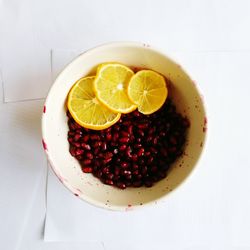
<point>138,150</point>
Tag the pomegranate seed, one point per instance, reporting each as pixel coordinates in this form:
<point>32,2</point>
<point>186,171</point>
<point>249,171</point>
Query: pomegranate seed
<point>138,140</point>
<point>87,162</point>
<point>99,174</point>
<point>116,128</point>
<point>95,137</point>
<point>172,150</point>
<point>148,183</point>
<point>164,151</point>
<point>124,134</point>
<point>163,134</point>
<point>108,137</point>
<point>115,151</point>
<point>79,131</point>
<point>118,160</point>
<point>96,151</point>
<point>140,152</point>
<point>97,163</point>
<point>141,161</point>
<point>124,164</point>
<point>141,133</point>
<point>104,146</point>
<point>70,139</point>
<point>77,144</point>
<point>144,170</point>
<point>138,177</point>
<point>72,126</point>
<point>142,126</point>
<point>108,130</point>
<point>151,131</point>
<point>127,123</point>
<point>117,171</point>
<point>173,140</point>
<point>105,170</point>
<point>148,153</point>
<point>149,138</point>
<point>121,185</point>
<point>105,161</point>
<point>137,183</point>
<point>132,138</point>
<point>155,178</point>
<point>87,169</point>
<point>154,169</point>
<point>100,155</point>
<point>135,166</point>
<point>89,156</point>
<point>108,155</point>
<point>77,137</point>
<point>124,140</point>
<point>153,150</point>
<point>150,160</point>
<point>86,146</point>
<point>109,182</point>
<point>134,158</point>
<point>126,172</point>
<point>116,178</point>
<point>128,183</point>
<point>79,157</point>
<point>128,176</point>
<point>130,129</point>
<point>97,144</point>
<point>79,151</point>
<point>137,114</point>
<point>72,151</point>
<point>85,138</point>
<point>78,126</point>
<point>128,152</point>
<point>162,175</point>
<point>136,172</point>
<point>115,137</point>
<point>110,176</point>
<point>122,147</point>
<point>155,141</point>
<point>137,146</point>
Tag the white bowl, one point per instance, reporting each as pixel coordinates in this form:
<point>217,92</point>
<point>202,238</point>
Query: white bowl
<point>54,126</point>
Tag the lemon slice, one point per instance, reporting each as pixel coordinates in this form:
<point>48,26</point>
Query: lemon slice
<point>148,90</point>
<point>111,87</point>
<point>85,108</point>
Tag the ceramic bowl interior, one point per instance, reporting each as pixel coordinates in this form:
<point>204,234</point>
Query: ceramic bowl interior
<point>54,126</point>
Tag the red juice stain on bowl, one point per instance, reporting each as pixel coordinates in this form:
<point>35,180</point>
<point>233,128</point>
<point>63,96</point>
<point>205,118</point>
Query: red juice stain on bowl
<point>44,145</point>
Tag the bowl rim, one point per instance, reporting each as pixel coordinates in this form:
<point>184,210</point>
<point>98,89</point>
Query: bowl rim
<point>43,127</point>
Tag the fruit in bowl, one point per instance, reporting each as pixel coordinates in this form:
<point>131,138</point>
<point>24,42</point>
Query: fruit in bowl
<point>127,128</point>
<point>140,148</point>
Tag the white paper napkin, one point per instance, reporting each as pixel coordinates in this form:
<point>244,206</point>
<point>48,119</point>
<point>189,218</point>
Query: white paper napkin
<point>211,208</point>
<point>22,162</point>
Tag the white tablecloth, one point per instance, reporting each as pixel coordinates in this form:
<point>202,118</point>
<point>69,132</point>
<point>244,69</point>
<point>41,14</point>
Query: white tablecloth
<point>212,39</point>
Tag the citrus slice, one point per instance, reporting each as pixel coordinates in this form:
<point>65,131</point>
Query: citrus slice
<point>148,90</point>
<point>111,87</point>
<point>85,108</point>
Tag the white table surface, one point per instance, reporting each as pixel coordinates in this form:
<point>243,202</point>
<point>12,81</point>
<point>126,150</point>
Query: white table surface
<point>30,30</point>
